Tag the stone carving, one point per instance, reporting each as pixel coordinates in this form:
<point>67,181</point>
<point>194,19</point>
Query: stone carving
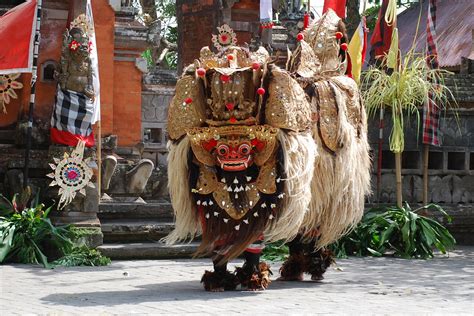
<point>76,67</point>
<point>440,189</point>
<point>125,178</point>
<point>463,189</point>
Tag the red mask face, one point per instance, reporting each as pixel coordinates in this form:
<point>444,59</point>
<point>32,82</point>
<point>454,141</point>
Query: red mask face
<point>234,155</point>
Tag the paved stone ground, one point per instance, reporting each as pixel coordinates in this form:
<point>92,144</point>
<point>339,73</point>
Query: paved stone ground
<point>365,286</point>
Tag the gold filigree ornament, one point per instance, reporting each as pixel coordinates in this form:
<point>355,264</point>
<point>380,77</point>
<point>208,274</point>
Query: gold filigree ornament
<point>287,106</point>
<point>72,174</point>
<point>8,84</point>
<point>225,38</point>
<point>82,23</point>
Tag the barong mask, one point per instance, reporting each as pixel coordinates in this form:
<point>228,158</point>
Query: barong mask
<point>230,112</point>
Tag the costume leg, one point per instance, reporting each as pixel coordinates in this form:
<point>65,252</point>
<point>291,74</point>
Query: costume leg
<point>254,275</point>
<point>296,264</point>
<point>319,261</point>
<point>220,280</point>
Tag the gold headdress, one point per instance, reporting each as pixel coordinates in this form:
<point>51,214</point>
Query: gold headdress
<point>318,52</point>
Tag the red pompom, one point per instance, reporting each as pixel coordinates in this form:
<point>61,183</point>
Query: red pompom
<point>259,145</point>
<point>232,120</point>
<point>344,46</point>
<point>230,106</point>
<point>230,57</point>
<point>201,72</point>
<point>256,66</point>
<point>339,35</point>
<point>188,100</point>
<point>260,91</point>
<point>300,37</point>
<point>225,78</point>
<point>209,145</point>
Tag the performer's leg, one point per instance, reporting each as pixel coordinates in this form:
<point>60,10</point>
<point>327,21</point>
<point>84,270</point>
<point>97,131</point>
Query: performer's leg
<point>220,280</point>
<point>296,264</point>
<point>319,261</point>
<point>254,275</point>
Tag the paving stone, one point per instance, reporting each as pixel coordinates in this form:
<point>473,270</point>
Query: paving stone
<point>361,286</point>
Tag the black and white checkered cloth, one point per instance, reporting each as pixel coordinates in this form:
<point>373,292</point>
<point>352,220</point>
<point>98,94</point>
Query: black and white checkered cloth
<point>73,112</point>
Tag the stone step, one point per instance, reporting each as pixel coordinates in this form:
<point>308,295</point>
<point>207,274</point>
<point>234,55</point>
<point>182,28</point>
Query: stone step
<point>148,250</point>
<point>279,38</point>
<point>136,209</point>
<point>134,230</point>
<point>7,136</point>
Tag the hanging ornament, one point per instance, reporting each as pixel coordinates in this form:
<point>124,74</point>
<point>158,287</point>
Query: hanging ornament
<point>225,38</point>
<point>72,174</point>
<point>7,89</point>
<point>305,20</point>
<point>201,72</point>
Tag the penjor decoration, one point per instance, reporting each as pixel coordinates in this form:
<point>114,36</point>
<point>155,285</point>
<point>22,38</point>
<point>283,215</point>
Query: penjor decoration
<point>72,174</point>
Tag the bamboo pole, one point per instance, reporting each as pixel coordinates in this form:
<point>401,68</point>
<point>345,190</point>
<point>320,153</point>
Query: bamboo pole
<point>31,109</point>
<point>398,175</point>
<point>99,158</point>
<point>426,153</point>
<point>379,153</point>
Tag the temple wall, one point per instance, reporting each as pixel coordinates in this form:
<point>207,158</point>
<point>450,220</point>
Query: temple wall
<point>104,15</point>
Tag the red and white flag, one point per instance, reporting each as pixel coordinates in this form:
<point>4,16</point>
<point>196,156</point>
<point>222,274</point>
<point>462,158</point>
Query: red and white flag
<point>17,34</point>
<point>95,64</point>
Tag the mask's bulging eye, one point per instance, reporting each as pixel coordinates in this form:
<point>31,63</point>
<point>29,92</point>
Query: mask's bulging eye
<point>223,150</point>
<point>244,149</point>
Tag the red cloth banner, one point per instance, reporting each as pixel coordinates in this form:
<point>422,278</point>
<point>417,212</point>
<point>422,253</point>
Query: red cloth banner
<point>17,32</point>
<point>382,36</point>
<point>338,6</point>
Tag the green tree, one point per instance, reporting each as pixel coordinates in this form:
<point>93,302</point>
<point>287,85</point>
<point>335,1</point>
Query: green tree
<point>164,13</point>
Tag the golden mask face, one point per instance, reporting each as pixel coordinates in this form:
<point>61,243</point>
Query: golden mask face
<point>233,148</point>
<point>234,154</point>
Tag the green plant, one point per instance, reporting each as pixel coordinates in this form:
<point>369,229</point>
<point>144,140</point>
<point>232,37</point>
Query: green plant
<point>403,91</point>
<point>403,231</point>
<point>28,236</point>
<point>276,251</point>
<point>82,256</point>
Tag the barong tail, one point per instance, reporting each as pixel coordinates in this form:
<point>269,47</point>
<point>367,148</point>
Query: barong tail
<point>342,168</point>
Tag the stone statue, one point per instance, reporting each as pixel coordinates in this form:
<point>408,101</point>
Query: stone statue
<point>76,71</point>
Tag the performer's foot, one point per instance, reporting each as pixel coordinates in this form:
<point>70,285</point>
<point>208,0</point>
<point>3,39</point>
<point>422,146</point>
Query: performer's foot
<point>219,281</point>
<point>319,262</point>
<point>293,268</point>
<point>253,278</point>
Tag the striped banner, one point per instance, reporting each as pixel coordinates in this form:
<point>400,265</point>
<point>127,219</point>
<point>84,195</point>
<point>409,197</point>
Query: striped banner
<point>431,111</point>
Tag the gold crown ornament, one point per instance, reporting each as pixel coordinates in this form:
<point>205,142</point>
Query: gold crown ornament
<point>319,48</point>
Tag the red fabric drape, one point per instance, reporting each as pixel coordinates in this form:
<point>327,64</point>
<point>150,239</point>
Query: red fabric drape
<point>69,139</point>
<point>339,6</point>
<point>382,35</point>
